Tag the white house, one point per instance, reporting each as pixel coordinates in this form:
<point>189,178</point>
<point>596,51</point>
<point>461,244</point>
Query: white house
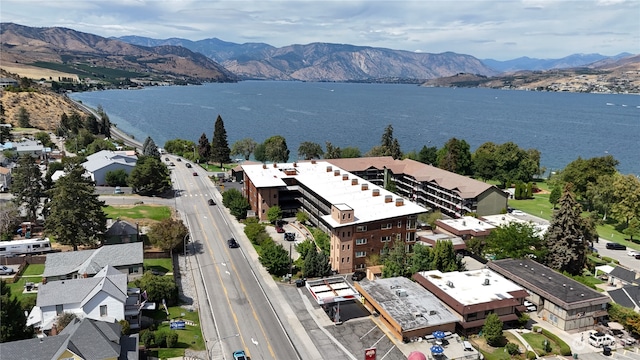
<point>103,297</point>
<point>100,163</point>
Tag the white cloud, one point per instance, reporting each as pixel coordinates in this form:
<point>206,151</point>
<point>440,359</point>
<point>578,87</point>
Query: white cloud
<point>485,29</point>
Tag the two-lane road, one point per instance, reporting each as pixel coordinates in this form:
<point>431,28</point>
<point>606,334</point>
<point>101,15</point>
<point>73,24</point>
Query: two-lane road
<point>237,314</point>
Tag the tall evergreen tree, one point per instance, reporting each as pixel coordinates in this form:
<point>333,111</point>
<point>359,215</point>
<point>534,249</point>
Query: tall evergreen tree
<point>219,146</point>
<point>23,118</point>
<point>75,212</point>
<point>26,186</point>
<point>12,319</point>
<point>445,258</point>
<point>455,156</point>
<point>204,148</point>
<point>149,148</point>
<point>567,237</point>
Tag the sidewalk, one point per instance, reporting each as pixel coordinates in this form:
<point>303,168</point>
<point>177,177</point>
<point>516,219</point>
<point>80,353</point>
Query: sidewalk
<point>577,342</point>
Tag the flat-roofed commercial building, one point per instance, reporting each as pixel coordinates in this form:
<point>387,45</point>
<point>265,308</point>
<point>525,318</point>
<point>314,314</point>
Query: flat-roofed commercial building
<point>560,301</point>
<point>406,308</point>
<point>473,295</point>
<point>455,195</point>
<point>360,217</point>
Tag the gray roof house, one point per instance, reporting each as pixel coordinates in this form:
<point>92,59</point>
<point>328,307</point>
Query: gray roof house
<point>627,296</point>
<point>127,258</point>
<point>120,232</point>
<point>81,339</point>
<point>624,276</point>
<point>104,297</point>
<point>100,163</point>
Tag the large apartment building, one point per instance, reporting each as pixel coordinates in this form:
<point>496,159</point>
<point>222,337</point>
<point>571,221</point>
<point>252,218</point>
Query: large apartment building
<point>454,195</point>
<point>360,217</point>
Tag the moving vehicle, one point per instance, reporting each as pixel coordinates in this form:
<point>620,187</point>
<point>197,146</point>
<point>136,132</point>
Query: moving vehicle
<point>188,165</point>
<point>233,243</point>
<point>239,355</point>
<point>615,246</point>
<point>358,275</point>
<point>211,202</point>
<point>195,173</point>
<point>178,159</point>
<point>4,270</point>
<point>633,253</point>
<point>118,190</point>
<point>26,246</point>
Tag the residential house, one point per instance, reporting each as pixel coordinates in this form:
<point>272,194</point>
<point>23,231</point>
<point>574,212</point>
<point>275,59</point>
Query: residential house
<point>466,227</point>
<point>82,339</point>
<point>104,297</point>
<point>620,276</point>
<point>102,162</point>
<point>31,147</point>
<point>6,82</point>
<point>431,187</point>
<point>360,218</point>
<point>473,295</point>
<point>627,296</point>
<point>406,308</point>
<point>127,258</point>
<point>120,232</point>
<point>560,300</point>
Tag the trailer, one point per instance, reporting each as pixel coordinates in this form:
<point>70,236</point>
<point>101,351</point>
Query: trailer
<point>26,246</point>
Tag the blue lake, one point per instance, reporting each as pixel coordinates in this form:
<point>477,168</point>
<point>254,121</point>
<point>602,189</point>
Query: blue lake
<point>563,126</point>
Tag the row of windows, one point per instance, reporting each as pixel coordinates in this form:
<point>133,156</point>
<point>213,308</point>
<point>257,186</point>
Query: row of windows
<point>411,236</point>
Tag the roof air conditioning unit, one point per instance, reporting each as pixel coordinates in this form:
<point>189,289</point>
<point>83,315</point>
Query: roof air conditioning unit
<point>450,284</point>
<point>432,312</point>
<point>487,282</point>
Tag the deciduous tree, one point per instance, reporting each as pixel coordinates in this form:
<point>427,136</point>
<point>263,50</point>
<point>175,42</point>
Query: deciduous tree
<point>275,149</point>
<point>350,152</point>
<point>219,145</point>
<point>484,162</point>
<point>149,177</point>
<point>421,259</point>
<point>396,261</point>
<point>309,150</point>
<point>445,258</point>
<point>601,195</point>
<point>626,191</point>
<point>244,147</point>
<point>455,156</point>
<point>582,172</point>
<point>274,213</point>
<point>168,234</point>
<point>492,330</point>
<point>26,186</point>
<point>116,177</point>
<point>515,240</point>
<point>13,322</point>
<point>274,258</point>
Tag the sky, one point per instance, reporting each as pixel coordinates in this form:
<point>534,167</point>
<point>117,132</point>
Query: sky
<point>501,30</point>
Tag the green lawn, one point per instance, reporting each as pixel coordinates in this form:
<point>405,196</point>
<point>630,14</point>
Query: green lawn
<point>190,337</point>
<point>216,168</point>
<point>536,341</point>
<point>164,265</point>
<point>33,269</point>
<point>495,353</point>
<point>157,213</point>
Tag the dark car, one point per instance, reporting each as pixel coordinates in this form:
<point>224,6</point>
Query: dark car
<point>178,159</point>
<point>279,230</point>
<point>638,256</point>
<point>166,159</point>
<point>233,243</point>
<point>211,202</point>
<point>290,236</point>
<point>195,173</point>
<point>187,165</point>
<point>358,275</point>
<point>615,246</point>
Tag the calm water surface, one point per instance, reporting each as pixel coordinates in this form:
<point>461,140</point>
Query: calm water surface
<point>563,126</point>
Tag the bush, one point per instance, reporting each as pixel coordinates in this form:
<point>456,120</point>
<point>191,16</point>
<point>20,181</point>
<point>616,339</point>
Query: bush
<point>126,328</point>
<point>565,350</point>
<point>147,337</point>
<point>160,338</point>
<point>512,348</point>
<point>531,355</point>
<point>172,339</point>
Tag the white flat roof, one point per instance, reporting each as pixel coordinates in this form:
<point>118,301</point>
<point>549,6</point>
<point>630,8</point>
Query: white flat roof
<point>335,190</point>
<point>468,223</point>
<point>506,219</point>
<point>331,290</point>
<point>468,287</point>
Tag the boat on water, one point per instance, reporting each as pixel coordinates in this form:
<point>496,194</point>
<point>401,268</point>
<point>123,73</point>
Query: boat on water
<point>609,104</point>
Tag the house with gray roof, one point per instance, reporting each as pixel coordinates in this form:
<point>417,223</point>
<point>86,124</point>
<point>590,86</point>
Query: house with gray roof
<point>408,309</point>
<point>621,276</point>
<point>560,300</point>
<point>120,232</point>
<point>127,258</point>
<point>103,297</point>
<point>81,339</point>
<point>627,296</point>
<point>99,164</point>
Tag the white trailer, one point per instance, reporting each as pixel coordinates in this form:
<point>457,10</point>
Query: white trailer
<point>26,246</point>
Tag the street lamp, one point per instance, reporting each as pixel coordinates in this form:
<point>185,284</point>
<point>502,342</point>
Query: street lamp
<point>218,341</point>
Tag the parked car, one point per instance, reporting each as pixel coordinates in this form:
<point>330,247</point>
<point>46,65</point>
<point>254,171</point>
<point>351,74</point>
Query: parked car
<point>233,243</point>
<point>172,164</point>
<point>289,236</point>
<point>615,246</point>
<point>239,355</point>
<point>633,253</point>
<point>166,159</point>
<point>211,202</point>
<point>300,282</point>
<point>358,275</point>
<point>638,256</point>
<point>187,165</point>
<point>601,339</point>
<point>5,270</point>
<point>517,212</point>
<point>178,159</point>
<point>195,173</point>
<point>279,230</point>
<point>118,190</point>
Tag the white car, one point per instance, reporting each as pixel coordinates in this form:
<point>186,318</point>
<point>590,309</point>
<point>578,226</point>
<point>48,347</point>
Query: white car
<point>4,270</point>
<point>517,213</point>
<point>633,253</point>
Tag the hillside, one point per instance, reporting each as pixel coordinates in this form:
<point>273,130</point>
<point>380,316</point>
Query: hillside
<point>44,107</point>
<point>91,56</point>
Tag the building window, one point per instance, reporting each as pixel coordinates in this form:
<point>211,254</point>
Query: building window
<point>348,259</point>
<point>342,247</point>
<point>59,309</point>
<point>386,226</point>
<point>411,236</point>
<point>134,270</point>
<point>361,228</point>
<point>361,241</point>
<point>399,224</point>
<point>386,238</point>
<point>348,233</point>
<point>411,224</point>
<point>275,196</point>
<point>103,310</point>
<point>360,254</point>
<point>398,236</point>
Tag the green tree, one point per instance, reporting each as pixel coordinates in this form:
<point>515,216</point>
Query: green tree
<point>484,162</point>
<point>314,263</point>
<point>601,195</point>
<point>275,149</point>
<point>626,191</point>
<point>302,217</point>
<point>9,220</point>
<point>255,231</point>
<point>91,124</point>
<point>633,229</point>
<point>421,259</point>
<point>515,240</point>
<point>333,152</point>
<point>150,149</point>
<point>99,145</point>
<point>305,247</point>
<point>125,327</point>
<point>5,133</point>
<point>428,155</point>
<point>149,177</point>
<point>172,339</point>
<point>26,185</point>
<point>147,337</point>
<point>581,172</point>
<point>219,146</point>
<point>566,239</point>
<point>350,152</point>
<point>309,150</point>
<point>274,258</point>
<point>237,204</point>
<point>396,262</point>
<point>75,212</point>
<point>105,123</point>
<point>555,195</point>
<point>514,164</point>
<point>44,138</point>
<point>244,147</point>
<point>12,319</point>
<point>178,146</point>
<point>23,118</point>
<point>116,177</point>
<point>158,288</point>
<point>492,330</point>
<point>204,148</point>
<point>274,213</point>
<point>260,153</point>
<point>445,258</point>
<point>169,234</point>
<point>455,156</point>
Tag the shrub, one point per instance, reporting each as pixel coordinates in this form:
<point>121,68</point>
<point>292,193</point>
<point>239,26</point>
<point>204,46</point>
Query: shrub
<point>172,339</point>
<point>565,350</point>
<point>160,338</point>
<point>147,337</point>
<point>126,328</point>
<point>531,355</point>
<point>512,348</point>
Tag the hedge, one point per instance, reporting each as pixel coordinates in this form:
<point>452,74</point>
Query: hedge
<point>565,350</point>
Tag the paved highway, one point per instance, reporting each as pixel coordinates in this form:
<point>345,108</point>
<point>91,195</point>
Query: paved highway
<point>235,310</point>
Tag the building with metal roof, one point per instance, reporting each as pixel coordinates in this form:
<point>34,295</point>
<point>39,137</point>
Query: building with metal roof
<point>406,308</point>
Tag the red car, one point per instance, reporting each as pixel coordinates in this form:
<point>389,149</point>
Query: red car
<point>279,230</point>
<point>195,174</point>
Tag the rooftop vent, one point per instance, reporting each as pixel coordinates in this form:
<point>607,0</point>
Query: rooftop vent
<point>275,165</point>
<point>388,198</point>
<point>487,282</point>
<point>582,295</point>
<point>329,169</point>
<point>354,181</point>
<point>295,164</point>
<point>375,192</point>
<point>417,315</point>
<point>336,172</point>
<point>264,166</point>
<point>313,162</point>
<point>364,187</point>
<point>432,312</point>
<point>450,284</point>
<point>401,293</point>
<point>345,176</point>
<point>399,201</point>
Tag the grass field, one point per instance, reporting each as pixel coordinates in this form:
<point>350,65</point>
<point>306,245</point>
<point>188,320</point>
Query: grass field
<point>190,337</point>
<point>161,265</point>
<point>496,353</point>
<point>536,341</point>
<point>33,269</point>
<point>125,212</point>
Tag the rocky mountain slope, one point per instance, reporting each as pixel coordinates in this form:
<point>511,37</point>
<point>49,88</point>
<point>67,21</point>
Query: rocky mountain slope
<point>533,64</point>
<point>29,45</point>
